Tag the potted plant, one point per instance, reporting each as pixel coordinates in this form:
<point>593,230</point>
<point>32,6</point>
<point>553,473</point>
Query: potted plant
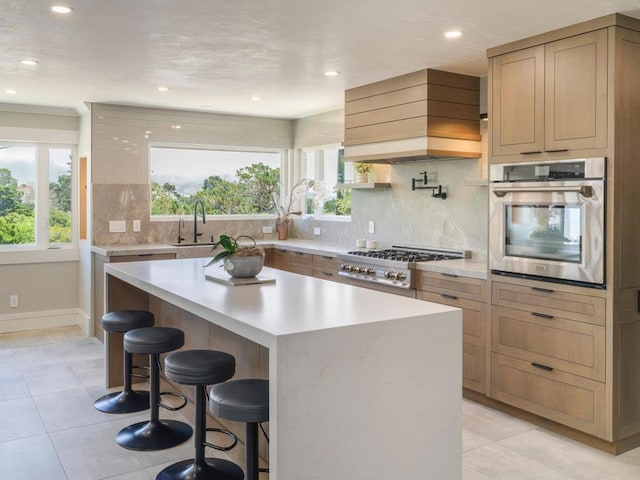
<point>239,260</point>
<point>362,172</point>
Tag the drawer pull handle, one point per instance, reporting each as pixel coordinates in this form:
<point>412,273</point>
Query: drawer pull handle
<point>531,152</point>
<point>281,250</point>
<point>327,258</point>
<point>450,275</point>
<point>450,297</point>
<point>328,274</point>
<point>144,255</point>
<point>299,253</point>
<point>542,315</point>
<point>542,367</point>
<point>545,290</point>
<point>558,150</point>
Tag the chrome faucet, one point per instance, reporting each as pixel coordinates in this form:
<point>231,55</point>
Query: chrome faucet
<point>180,228</point>
<point>195,219</point>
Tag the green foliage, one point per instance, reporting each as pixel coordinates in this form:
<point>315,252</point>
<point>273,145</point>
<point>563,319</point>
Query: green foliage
<point>60,193</point>
<point>229,246</point>
<point>59,226</point>
<point>17,228</point>
<point>10,196</point>
<point>252,193</point>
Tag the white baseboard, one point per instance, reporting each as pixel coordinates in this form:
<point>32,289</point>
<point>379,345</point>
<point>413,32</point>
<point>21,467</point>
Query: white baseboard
<point>20,322</point>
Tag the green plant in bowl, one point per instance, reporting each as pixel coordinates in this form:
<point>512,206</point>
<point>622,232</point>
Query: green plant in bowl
<point>239,260</point>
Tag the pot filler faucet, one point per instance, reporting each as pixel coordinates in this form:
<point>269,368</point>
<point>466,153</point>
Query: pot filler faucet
<point>195,219</point>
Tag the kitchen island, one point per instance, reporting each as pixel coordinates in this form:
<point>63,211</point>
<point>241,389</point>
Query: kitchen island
<point>363,384</point>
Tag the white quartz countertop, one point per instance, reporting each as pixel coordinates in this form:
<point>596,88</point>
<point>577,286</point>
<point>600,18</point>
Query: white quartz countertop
<point>464,268</point>
<point>294,304</point>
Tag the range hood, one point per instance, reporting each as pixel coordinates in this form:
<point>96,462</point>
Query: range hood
<point>429,114</point>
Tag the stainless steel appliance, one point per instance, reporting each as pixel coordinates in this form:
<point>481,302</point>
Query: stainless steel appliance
<point>546,219</point>
<point>392,267</point>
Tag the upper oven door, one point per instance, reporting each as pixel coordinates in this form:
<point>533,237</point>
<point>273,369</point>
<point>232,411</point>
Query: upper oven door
<point>549,229</point>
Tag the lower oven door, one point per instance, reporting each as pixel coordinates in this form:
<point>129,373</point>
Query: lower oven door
<point>548,229</point>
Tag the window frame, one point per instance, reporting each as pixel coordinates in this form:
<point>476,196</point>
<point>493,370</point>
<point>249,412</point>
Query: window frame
<point>43,250</point>
<point>227,148</point>
<point>318,151</point>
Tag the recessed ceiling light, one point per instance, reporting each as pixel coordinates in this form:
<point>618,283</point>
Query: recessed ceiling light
<point>176,127</point>
<point>331,73</point>
<point>10,91</point>
<point>453,34</point>
<point>29,61</point>
<point>163,89</point>
<point>255,98</point>
<point>64,9</point>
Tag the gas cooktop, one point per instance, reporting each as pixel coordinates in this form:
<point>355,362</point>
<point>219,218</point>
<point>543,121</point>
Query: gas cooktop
<point>402,255</point>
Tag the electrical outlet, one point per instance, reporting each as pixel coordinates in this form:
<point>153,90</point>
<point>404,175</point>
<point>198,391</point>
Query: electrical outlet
<point>316,230</point>
<point>136,225</point>
<point>372,226</point>
<point>267,229</point>
<point>117,226</point>
<point>13,301</point>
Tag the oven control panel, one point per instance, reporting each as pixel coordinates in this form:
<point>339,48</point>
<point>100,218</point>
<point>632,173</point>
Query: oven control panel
<point>397,277</point>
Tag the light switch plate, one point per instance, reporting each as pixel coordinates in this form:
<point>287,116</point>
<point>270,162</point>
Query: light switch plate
<point>316,230</point>
<point>267,229</point>
<point>117,226</point>
<point>372,226</point>
<point>136,225</point>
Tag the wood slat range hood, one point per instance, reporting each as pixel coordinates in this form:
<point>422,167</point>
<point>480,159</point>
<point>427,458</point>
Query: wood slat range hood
<point>429,114</point>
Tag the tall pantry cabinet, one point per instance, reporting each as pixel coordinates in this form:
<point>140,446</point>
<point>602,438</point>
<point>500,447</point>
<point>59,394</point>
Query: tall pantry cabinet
<point>573,93</point>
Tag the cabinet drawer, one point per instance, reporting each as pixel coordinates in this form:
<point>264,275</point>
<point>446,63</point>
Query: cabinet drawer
<point>296,262</point>
<point>573,306</point>
<point>474,316</point>
<point>327,264</point>
<point>573,401</point>
<point>323,274</point>
<point>142,257</point>
<point>566,345</point>
<point>463,287</point>
<point>474,366</point>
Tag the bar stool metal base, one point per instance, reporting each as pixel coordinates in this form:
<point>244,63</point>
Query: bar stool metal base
<point>123,402</point>
<point>151,435</point>
<point>213,469</point>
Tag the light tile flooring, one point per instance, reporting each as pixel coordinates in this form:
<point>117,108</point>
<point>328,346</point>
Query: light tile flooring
<point>49,429</point>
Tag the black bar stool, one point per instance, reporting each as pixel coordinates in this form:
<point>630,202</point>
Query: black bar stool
<point>201,368</point>
<point>244,401</point>
<point>155,434</point>
<point>128,400</point>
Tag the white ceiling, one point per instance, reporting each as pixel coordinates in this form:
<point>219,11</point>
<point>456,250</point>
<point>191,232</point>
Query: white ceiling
<point>215,54</point>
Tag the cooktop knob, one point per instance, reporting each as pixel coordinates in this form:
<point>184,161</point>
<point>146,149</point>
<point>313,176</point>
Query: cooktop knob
<point>401,276</point>
<point>371,271</point>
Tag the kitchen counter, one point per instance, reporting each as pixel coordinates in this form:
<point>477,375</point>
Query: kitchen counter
<point>464,267</point>
<point>363,384</point>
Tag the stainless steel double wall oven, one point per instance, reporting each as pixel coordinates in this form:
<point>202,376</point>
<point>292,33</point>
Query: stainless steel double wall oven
<point>547,220</point>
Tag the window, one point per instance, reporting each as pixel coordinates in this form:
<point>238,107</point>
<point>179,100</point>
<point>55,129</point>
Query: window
<point>325,165</point>
<point>36,195</point>
<point>228,182</point>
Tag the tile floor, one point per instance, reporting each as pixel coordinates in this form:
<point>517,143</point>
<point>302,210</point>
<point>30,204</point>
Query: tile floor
<point>49,429</point>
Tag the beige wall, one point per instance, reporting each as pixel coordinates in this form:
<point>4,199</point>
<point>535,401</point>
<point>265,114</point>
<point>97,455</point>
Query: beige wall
<point>120,160</point>
<point>323,129</point>
<point>84,246</point>
<point>48,292</point>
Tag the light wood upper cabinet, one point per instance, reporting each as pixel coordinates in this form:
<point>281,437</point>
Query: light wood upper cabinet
<point>518,102</point>
<point>550,98</point>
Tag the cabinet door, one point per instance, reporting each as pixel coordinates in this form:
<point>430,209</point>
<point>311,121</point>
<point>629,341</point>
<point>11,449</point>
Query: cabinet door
<point>576,92</point>
<point>517,101</point>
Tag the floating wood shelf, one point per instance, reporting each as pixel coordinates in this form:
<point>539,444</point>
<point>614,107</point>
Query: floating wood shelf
<point>362,186</point>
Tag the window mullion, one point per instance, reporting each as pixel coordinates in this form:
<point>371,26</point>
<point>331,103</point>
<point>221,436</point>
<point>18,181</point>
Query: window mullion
<point>42,197</point>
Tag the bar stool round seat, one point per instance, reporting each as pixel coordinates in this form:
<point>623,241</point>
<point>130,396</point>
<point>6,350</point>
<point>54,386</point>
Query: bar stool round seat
<point>245,401</point>
<point>154,434</point>
<point>201,368</point>
<point>128,400</point>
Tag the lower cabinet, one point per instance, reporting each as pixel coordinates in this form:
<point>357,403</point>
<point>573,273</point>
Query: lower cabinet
<point>549,353</point>
<point>319,266</point>
<point>469,294</point>
<point>571,400</point>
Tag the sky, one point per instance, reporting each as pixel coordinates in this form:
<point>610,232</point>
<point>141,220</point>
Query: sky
<point>186,169</point>
<point>22,163</point>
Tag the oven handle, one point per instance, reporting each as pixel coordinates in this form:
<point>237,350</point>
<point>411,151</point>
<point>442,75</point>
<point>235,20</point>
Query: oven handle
<point>584,190</point>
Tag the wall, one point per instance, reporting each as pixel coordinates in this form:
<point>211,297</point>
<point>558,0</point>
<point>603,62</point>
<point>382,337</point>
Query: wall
<point>403,216</point>
<point>47,290</point>
<point>120,163</point>
<point>84,246</point>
